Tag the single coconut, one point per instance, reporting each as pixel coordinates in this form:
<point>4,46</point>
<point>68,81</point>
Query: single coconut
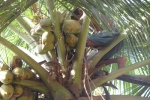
<point>47,38</point>
<point>48,41</point>
<point>28,73</point>
<point>46,22</point>
<point>19,73</point>
<point>71,26</point>
<point>71,40</point>
<point>6,76</point>
<point>18,90</point>
<point>6,91</point>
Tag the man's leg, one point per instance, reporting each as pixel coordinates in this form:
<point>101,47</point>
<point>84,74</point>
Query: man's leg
<point>120,61</point>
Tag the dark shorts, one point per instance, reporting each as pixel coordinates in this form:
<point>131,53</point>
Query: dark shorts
<point>104,39</point>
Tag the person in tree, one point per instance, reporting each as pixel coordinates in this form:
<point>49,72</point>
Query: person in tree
<point>103,38</point>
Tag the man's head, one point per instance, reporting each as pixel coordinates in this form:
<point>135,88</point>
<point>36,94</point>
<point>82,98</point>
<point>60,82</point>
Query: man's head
<point>77,13</point>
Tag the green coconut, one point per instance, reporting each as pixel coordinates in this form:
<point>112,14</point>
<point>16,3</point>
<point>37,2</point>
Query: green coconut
<point>46,24</point>
<point>18,90</point>
<point>28,73</point>
<point>6,91</point>
<point>18,73</point>
<point>71,40</point>
<point>47,38</point>
<point>71,26</point>
<point>6,76</point>
<point>48,41</point>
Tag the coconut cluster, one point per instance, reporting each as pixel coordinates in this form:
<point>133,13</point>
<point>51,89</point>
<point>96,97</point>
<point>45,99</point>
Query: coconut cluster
<point>14,72</point>
<point>44,33</point>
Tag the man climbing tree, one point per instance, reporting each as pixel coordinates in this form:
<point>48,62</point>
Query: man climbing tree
<point>102,38</point>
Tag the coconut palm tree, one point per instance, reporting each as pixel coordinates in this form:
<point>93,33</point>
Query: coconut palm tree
<point>67,77</point>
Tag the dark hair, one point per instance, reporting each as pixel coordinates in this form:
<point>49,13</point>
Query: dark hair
<point>76,11</point>
<point>75,14</point>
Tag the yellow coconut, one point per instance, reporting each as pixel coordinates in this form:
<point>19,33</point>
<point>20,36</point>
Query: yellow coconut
<point>48,41</point>
<point>18,90</point>
<point>71,26</point>
<point>28,74</point>
<point>71,40</point>
<point>47,38</point>
<point>3,66</point>
<point>6,76</point>
<point>27,95</point>
<point>6,91</point>
<point>18,73</point>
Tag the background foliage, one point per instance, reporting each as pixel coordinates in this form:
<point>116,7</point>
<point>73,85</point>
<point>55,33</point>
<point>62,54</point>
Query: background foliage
<point>131,16</point>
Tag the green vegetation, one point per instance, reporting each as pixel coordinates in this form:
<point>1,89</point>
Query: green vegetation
<point>39,31</point>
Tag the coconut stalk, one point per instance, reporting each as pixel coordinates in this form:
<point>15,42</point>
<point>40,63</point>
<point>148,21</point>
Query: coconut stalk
<point>34,85</point>
<point>61,50</point>
<point>25,37</point>
<point>25,26</point>
<point>97,57</point>
<point>79,54</point>
<point>116,97</point>
<point>99,81</point>
<point>22,22</point>
<point>57,90</point>
<point>29,22</point>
